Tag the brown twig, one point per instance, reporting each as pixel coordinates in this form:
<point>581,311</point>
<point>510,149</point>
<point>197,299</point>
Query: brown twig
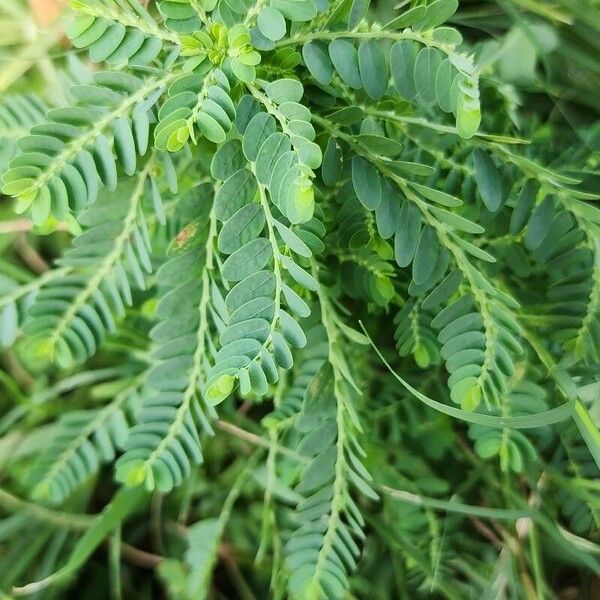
<point>23,225</point>
<point>140,558</point>
<point>256,440</point>
<point>486,532</point>
<point>30,255</point>
<point>16,226</point>
<point>244,408</point>
<point>12,365</point>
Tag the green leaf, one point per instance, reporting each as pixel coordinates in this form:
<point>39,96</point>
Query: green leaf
<point>331,169</point>
<point>305,279</point>
<point>296,10</point>
<point>317,62</point>
<point>210,128</point>
<point>318,472</point>
<point>523,206</point>
<point>373,68</point>
<point>475,251</point>
<point>271,23</point>
<point>292,332</point>
<point>358,10</point>
<point>344,57</point>
<point>228,159</point>
<point>539,223</point>
<point>245,225</point>
<point>407,233</point>
<point>468,113</point>
<point>110,40</point>
<point>388,211</point>
<point>309,153</point>
<point>295,302</point>
<point>270,152</point>
<point>292,241</point>
<point>588,430</point>
<point>347,116</point>
<point>426,255</point>
<point>105,162</point>
<point>437,196</point>
<point>248,288</point>
<point>125,145</point>
<point>408,18</point>
<point>488,180</point>
<point>443,85</point>
<point>447,36</point>
<point>239,189</point>
<point>281,352</point>
<point>219,389</point>
<point>366,182</point>
<point>260,127</point>
<point>246,109</point>
<point>455,221</point>
<point>403,57</point>
<point>203,539</point>
<point>427,64</point>
<point>244,72</point>
<point>519,56</point>
<point>249,259</point>
<point>554,415</point>
<point>379,144</point>
<point>284,90</point>
<point>414,168</point>
<point>438,12</point>
<point>296,197</point>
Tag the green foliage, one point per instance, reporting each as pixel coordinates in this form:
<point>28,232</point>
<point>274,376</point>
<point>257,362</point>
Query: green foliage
<point>82,440</point>
<point>70,317</point>
<point>362,240</point>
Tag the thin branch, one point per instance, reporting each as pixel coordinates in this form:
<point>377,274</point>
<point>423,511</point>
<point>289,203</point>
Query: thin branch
<point>30,255</point>
<point>456,507</point>
<point>140,558</point>
<point>12,503</point>
<point>23,225</point>
<point>257,440</point>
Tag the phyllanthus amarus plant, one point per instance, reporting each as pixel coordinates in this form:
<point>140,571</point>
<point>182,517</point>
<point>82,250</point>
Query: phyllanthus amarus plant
<point>341,240</point>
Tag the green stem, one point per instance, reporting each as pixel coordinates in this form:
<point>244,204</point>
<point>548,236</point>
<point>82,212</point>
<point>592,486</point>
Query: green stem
<point>201,13</point>
<point>223,518</point>
<point>254,11</point>
<point>268,516</point>
<point>456,507</point>
<point>209,79</point>
<point>264,203</point>
<point>58,519</point>
<point>109,262</point>
<point>587,428</point>
<point>340,481</point>
<point>257,440</point>
<point>78,145</point>
<point>406,34</point>
<point>196,371</point>
<point>390,115</point>
<point>536,560</point>
<point>34,285</point>
<point>271,108</point>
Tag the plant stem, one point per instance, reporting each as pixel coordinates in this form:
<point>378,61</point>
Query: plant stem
<point>59,519</point>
